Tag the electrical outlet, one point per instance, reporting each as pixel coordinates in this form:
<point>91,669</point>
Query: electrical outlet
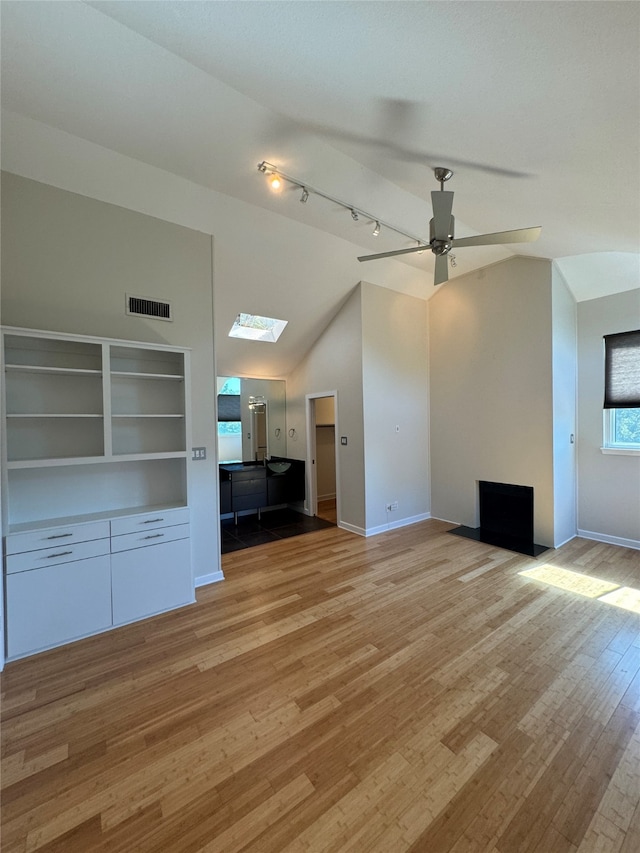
<point>393,506</point>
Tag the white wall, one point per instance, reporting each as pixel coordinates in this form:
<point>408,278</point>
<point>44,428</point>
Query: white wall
<point>564,366</point>
<point>491,397</point>
<point>374,354</point>
<point>335,363</point>
<point>396,416</point>
<point>67,263</point>
<point>608,485</point>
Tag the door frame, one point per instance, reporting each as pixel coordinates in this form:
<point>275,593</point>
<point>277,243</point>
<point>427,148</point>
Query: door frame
<point>312,479</point>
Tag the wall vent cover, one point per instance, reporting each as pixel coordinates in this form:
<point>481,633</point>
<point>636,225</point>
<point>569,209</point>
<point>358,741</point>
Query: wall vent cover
<point>141,306</point>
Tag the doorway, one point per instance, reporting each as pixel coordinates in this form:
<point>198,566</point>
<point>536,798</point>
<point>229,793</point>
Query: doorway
<point>322,456</point>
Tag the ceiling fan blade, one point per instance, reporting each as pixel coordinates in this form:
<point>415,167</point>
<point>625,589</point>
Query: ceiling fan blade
<point>520,235</point>
<point>396,252</point>
<point>442,270</point>
<point>442,202</point>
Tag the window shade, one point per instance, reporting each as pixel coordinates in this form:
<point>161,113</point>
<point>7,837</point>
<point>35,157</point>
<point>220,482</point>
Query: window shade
<point>622,370</point>
<point>229,407</point>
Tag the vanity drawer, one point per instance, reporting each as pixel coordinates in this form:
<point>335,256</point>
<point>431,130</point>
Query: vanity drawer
<point>54,537</point>
<point>251,472</point>
<point>248,487</point>
<point>62,553</point>
<point>249,502</point>
<point>145,538</point>
<point>149,521</point>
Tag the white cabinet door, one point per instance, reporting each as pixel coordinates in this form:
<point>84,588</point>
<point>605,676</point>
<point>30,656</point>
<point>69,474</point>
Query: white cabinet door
<point>150,580</point>
<point>50,606</point>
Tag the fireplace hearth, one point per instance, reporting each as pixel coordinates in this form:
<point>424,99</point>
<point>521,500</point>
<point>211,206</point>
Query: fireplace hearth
<point>506,518</point>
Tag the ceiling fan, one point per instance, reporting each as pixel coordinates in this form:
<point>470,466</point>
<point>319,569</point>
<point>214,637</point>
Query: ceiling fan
<point>441,232</point>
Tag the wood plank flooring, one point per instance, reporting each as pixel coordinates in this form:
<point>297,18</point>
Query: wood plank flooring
<point>407,693</point>
<point>327,510</point>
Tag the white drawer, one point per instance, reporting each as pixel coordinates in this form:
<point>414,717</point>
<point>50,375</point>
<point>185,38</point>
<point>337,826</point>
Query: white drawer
<point>62,553</point>
<point>57,536</point>
<point>144,538</point>
<point>149,521</point>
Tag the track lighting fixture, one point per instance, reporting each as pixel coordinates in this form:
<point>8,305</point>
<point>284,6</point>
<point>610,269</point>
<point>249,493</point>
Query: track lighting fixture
<point>277,178</point>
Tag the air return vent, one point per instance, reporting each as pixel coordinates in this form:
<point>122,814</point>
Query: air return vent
<point>140,306</point>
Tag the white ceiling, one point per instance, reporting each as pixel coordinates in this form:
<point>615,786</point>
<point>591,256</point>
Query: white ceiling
<point>361,100</point>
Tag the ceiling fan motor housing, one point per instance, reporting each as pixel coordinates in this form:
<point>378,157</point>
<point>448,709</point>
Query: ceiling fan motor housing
<point>441,247</point>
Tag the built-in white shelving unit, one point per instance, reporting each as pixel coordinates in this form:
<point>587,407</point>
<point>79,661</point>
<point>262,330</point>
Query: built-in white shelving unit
<point>94,450</point>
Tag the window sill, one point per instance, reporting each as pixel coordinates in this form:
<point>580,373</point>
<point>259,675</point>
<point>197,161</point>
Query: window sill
<point>621,451</point>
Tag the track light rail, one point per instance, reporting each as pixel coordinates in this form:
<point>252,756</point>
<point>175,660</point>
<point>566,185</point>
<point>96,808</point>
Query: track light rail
<point>355,211</point>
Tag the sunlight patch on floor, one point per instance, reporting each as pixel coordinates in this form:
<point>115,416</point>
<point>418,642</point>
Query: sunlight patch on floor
<point>626,597</point>
<point>610,593</point>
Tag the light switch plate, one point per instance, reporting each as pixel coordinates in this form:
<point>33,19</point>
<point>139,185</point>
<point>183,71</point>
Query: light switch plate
<point>198,453</point>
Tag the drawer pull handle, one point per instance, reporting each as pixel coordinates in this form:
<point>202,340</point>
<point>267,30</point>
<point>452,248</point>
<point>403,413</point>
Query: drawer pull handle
<point>151,520</point>
<point>59,554</point>
<point>154,536</point>
<point>59,536</point>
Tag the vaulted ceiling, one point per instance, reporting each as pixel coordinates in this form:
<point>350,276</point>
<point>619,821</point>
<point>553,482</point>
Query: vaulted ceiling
<point>535,105</point>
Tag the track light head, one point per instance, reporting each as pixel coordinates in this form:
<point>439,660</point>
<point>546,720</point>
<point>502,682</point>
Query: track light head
<point>354,215</point>
<point>305,195</point>
<point>274,182</point>
<point>376,230</point>
<point>262,167</point>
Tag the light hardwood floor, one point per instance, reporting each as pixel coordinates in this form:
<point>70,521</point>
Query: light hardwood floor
<point>407,692</point>
<point>327,510</point>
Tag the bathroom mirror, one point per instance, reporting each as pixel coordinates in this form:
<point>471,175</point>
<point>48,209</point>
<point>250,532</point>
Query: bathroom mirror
<point>251,419</point>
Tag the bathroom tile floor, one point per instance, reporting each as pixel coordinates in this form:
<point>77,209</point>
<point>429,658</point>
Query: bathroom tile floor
<point>274,525</point>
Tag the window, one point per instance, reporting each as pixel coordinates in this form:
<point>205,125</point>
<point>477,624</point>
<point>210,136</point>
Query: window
<point>622,393</point>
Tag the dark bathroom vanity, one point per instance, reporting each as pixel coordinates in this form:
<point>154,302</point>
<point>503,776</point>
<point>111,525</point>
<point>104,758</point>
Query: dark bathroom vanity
<point>258,486</point>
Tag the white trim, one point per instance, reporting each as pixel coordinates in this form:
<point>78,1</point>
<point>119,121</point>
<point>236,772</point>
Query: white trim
<point>564,542</point>
<point>212,577</point>
<point>312,498</point>
<point>68,336</point>
<point>403,522</point>
<point>614,447</point>
<point>611,540</point>
<point>446,520</point>
<point>343,525</point>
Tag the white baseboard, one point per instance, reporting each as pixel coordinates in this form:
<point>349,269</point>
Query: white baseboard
<point>393,525</point>
<point>343,525</point>
<point>213,577</point>
<point>610,540</point>
<point>384,528</point>
<point>564,542</point>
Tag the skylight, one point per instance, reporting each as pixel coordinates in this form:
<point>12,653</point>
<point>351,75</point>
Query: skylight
<point>255,328</point>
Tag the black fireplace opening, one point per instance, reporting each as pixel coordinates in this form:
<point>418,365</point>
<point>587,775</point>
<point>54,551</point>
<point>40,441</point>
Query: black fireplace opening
<point>506,518</point>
